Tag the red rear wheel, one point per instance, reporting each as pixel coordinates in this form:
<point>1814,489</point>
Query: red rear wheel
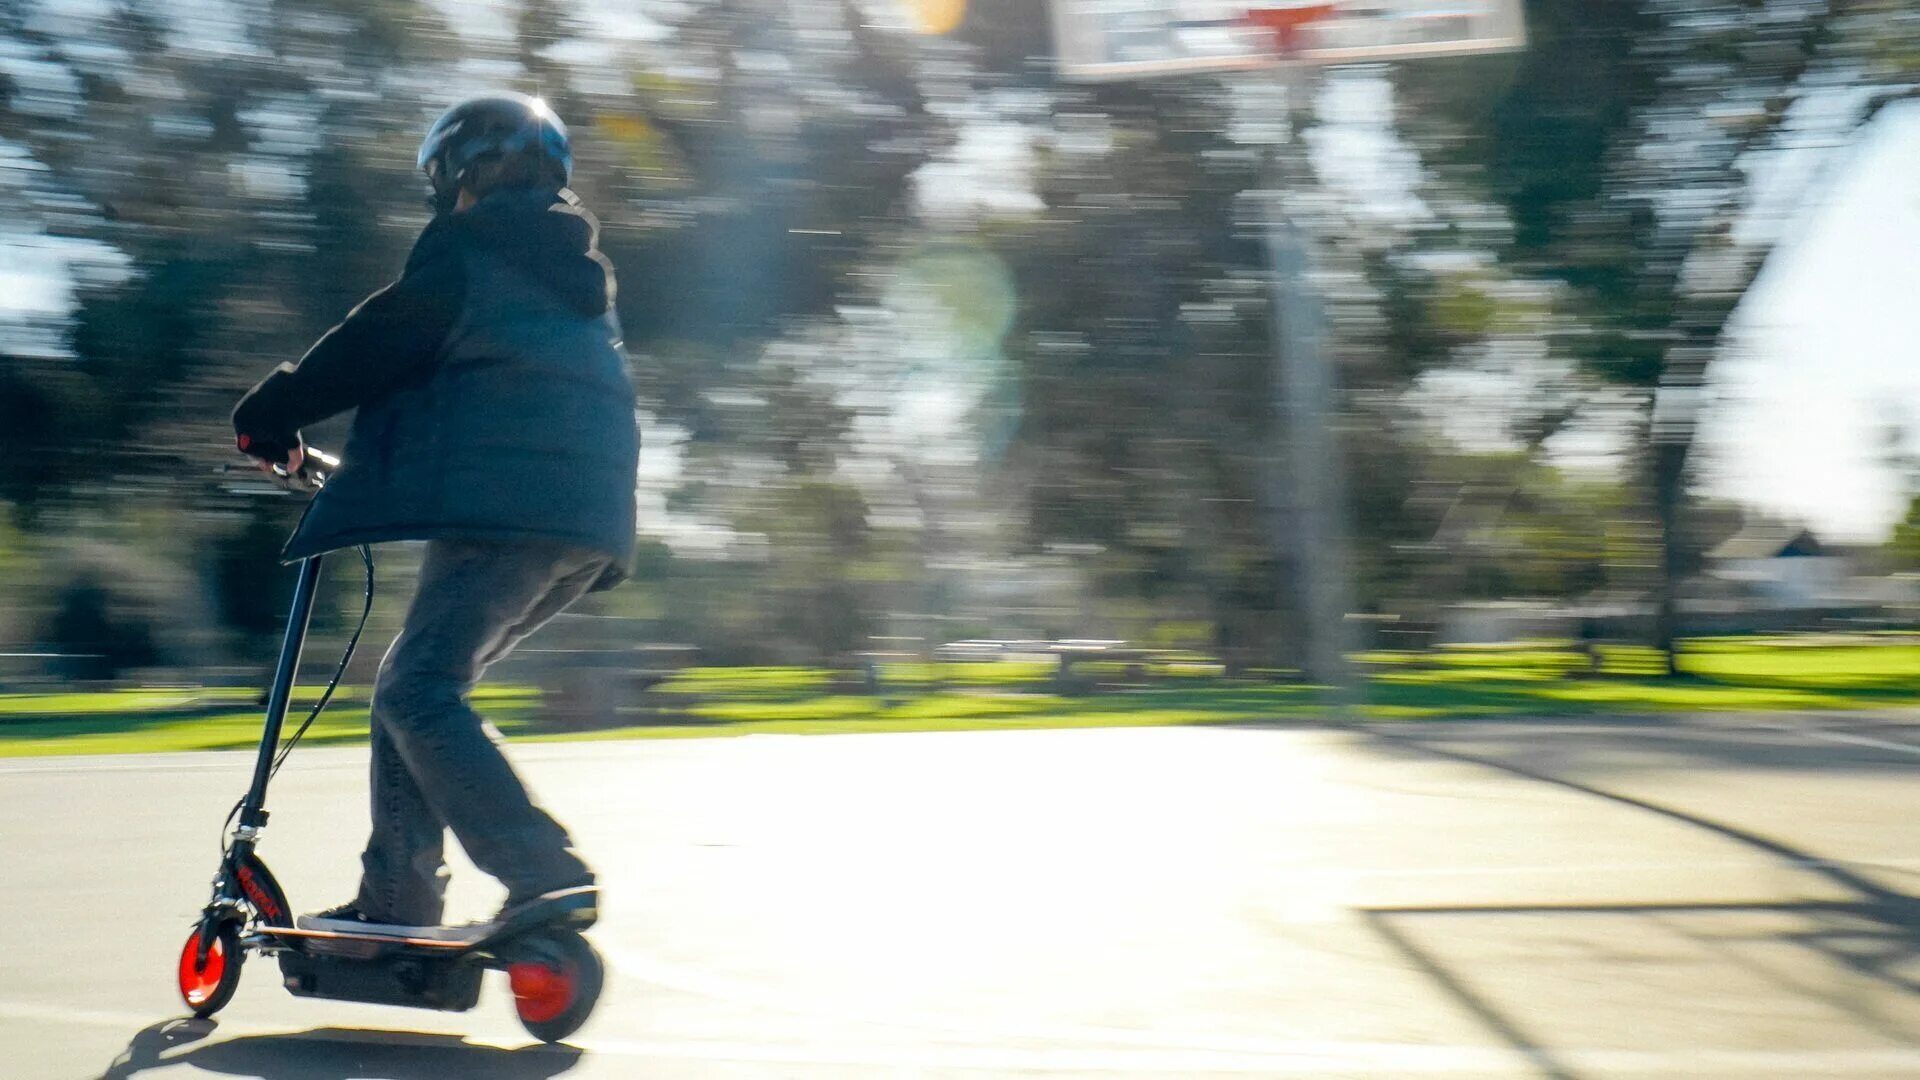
<point>540,993</point>
<point>207,986</point>
<point>556,987</point>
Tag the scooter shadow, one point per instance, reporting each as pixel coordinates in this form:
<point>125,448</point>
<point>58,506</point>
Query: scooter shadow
<point>333,1053</point>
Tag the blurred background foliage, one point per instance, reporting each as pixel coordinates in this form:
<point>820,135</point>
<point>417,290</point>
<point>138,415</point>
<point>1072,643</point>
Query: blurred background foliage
<point>930,346</point>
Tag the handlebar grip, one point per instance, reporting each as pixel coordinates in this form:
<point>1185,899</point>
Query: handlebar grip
<point>316,466</point>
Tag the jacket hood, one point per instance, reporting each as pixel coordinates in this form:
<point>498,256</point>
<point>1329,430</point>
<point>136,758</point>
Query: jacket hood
<point>548,234</point>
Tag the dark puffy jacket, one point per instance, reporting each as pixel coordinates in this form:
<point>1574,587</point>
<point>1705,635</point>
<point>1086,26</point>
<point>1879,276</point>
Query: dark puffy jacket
<point>492,391</point>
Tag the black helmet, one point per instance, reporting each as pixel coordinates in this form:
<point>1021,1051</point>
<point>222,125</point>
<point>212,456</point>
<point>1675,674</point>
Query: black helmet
<point>499,126</point>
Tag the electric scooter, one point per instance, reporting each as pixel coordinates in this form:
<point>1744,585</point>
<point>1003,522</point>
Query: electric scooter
<point>554,974</point>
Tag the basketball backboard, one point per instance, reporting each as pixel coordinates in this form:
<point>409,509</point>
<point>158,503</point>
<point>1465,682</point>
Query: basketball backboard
<point>1106,40</point>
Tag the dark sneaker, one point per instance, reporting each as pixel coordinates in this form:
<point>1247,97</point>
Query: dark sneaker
<point>349,919</point>
<point>576,905</point>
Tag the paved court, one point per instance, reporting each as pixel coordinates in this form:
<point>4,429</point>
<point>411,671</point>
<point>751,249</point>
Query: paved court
<point>1733,897</point>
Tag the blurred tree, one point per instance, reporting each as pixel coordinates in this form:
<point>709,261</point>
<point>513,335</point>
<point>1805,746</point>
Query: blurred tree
<point>1140,347</point>
<point>251,170</point>
<point>1633,147</point>
<point>111,607</point>
<point>792,157</point>
<point>1011,38</point>
<point>1900,451</point>
<point>1144,352</point>
<point>194,160</point>
<point>218,183</point>
<point>1904,546</point>
<point>775,144</point>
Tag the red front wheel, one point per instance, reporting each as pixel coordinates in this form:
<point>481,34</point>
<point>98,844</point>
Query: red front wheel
<point>207,985</point>
<point>556,986</point>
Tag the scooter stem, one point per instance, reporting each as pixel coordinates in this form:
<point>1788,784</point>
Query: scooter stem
<point>253,812</point>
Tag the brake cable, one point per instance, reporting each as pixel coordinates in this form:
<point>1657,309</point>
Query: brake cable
<point>333,683</point>
<point>346,657</point>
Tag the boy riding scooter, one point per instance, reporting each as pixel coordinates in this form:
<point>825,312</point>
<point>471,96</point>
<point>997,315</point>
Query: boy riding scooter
<point>496,423</point>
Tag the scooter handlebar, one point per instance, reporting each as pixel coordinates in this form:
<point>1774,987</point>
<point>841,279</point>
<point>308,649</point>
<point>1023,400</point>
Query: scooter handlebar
<point>315,467</point>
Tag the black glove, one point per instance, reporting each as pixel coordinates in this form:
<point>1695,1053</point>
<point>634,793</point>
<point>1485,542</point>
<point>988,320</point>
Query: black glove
<point>273,451</point>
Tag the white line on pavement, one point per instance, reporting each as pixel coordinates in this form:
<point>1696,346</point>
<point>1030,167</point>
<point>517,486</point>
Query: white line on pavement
<point>341,757</point>
<point>353,757</point>
<point>1824,735</point>
<point>1860,740</point>
<point>159,761</point>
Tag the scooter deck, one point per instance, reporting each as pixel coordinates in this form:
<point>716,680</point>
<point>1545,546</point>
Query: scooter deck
<point>464,941</point>
<point>575,907</point>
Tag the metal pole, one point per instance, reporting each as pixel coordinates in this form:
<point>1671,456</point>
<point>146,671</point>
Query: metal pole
<point>251,814</point>
<point>1315,486</point>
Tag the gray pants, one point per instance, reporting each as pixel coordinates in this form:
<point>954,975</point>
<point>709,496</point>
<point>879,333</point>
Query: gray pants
<point>436,764</point>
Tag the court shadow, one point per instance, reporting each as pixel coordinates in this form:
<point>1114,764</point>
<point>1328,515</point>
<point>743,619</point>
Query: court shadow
<point>1867,938</point>
<point>1874,934</point>
<point>333,1053</point>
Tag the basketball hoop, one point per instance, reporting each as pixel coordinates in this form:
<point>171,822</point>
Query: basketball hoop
<point>1108,40</point>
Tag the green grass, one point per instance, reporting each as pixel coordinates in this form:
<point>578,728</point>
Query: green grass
<point>141,721</point>
<point>120,702</point>
<point>1535,679</point>
<point>1727,674</point>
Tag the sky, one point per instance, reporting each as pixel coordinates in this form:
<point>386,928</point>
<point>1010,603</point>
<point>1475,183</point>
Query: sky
<point>1830,336</point>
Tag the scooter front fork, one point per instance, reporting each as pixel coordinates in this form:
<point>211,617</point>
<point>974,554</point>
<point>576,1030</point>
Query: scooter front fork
<point>244,889</point>
<point>223,907</point>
